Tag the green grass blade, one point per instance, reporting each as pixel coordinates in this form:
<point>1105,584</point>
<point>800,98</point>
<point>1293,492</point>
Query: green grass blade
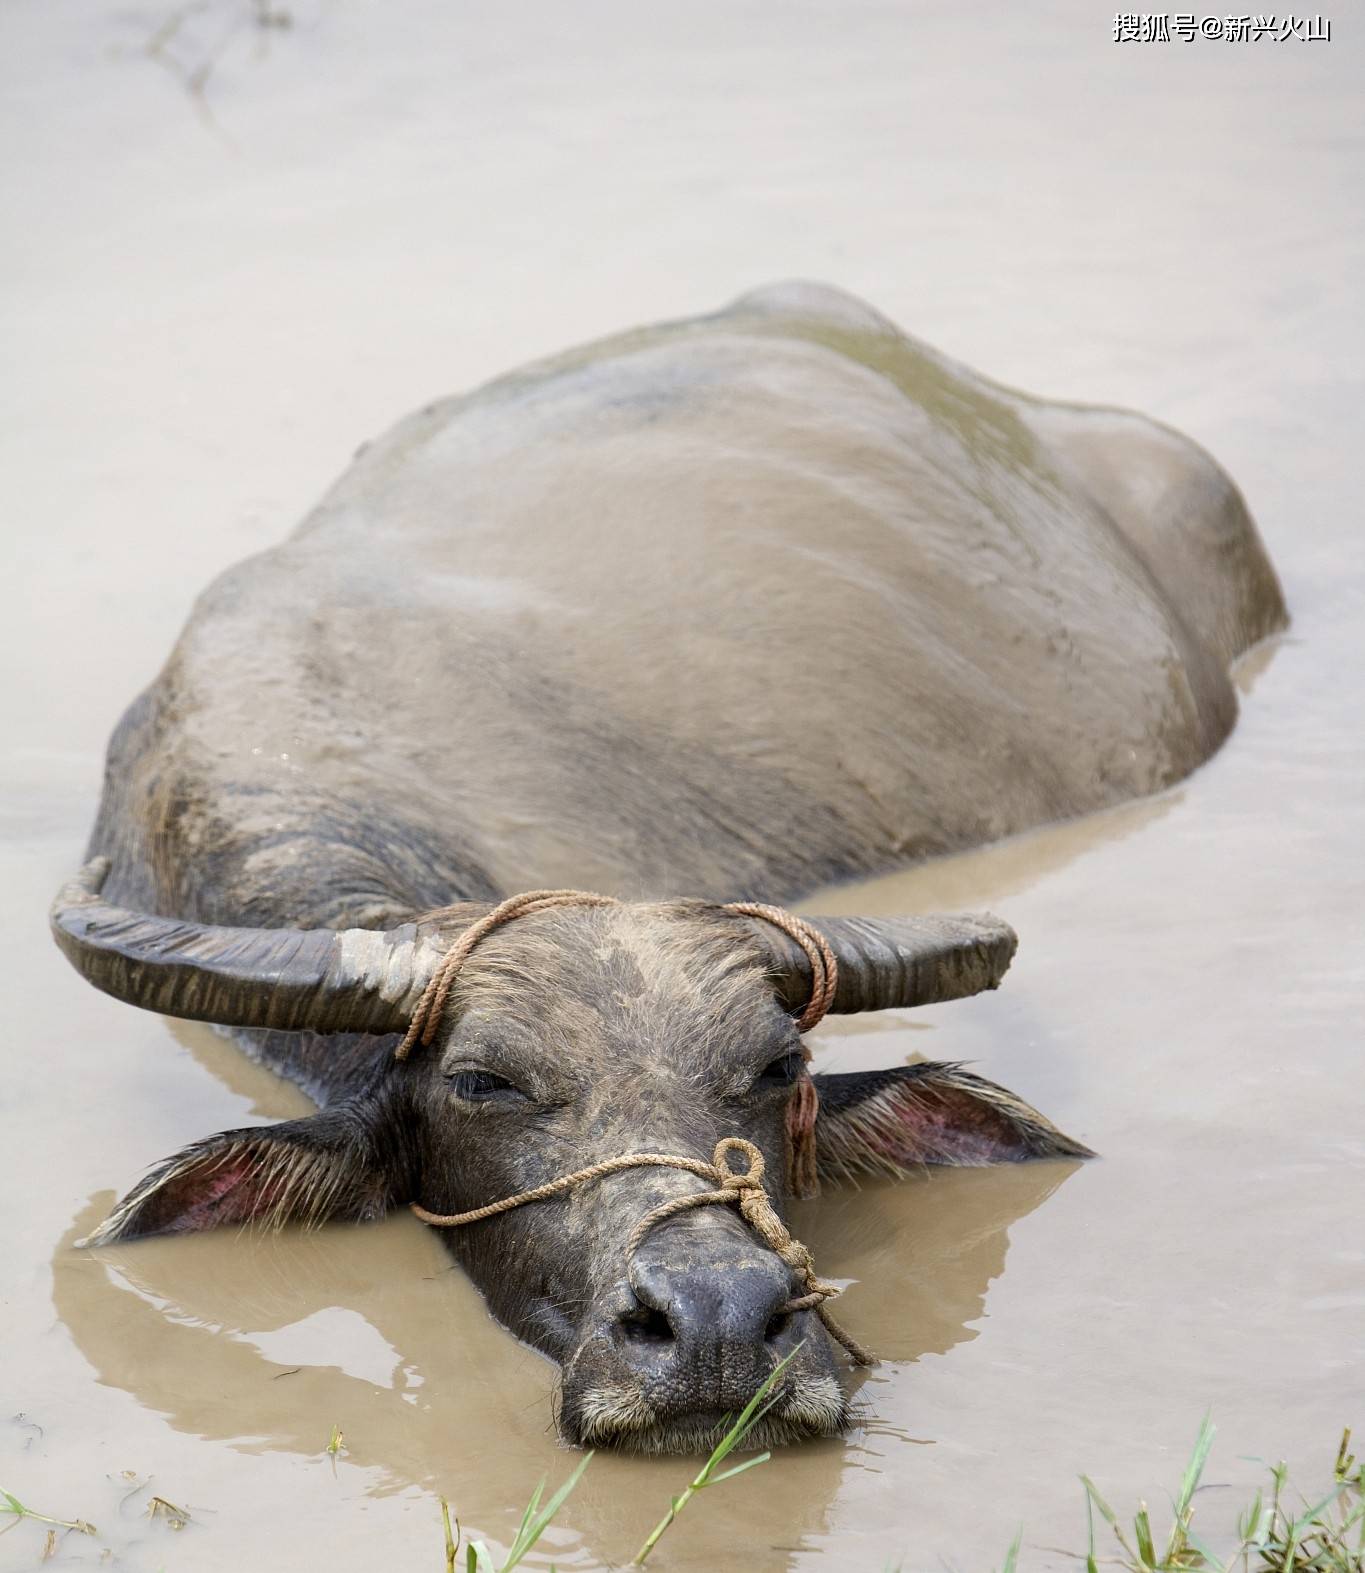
<point>749,1416</point>
<point>1210,1558</point>
<point>1012,1555</point>
<point>1194,1470</point>
<point>1142,1529</point>
<point>1110,1517</point>
<point>1303,1521</point>
<point>452,1536</point>
<point>536,1519</point>
<point>561,1496</point>
<point>758,1406</point>
<point>738,1469</point>
<point>1092,1493</point>
<point>1349,1522</point>
<point>529,1512</point>
<point>1251,1525</point>
<point>558,1500</point>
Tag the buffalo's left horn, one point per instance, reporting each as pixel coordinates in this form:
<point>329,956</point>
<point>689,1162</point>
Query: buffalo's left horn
<point>886,963</point>
<point>325,980</point>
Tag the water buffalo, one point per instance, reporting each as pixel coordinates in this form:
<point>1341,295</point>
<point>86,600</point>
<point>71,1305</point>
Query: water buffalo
<point>728,608</point>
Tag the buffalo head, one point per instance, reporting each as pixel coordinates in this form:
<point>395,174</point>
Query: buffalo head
<point>575,1035</point>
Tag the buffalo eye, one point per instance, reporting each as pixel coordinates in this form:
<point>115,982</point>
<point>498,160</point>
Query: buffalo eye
<point>782,1071</point>
<point>482,1086</point>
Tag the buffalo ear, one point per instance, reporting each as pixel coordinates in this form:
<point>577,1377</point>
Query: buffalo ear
<point>309,1171</point>
<point>890,1121</point>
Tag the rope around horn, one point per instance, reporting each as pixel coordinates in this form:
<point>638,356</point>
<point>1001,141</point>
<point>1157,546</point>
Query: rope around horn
<point>804,1105</point>
<point>824,967</point>
<point>744,1188</point>
<point>427,1014</point>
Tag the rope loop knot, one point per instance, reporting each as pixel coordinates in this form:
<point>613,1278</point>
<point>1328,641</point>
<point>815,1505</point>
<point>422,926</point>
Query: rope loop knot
<point>743,1188</point>
<point>759,1213</point>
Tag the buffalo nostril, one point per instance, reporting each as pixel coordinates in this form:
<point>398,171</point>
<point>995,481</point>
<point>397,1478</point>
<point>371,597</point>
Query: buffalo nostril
<point>707,1309</point>
<point>645,1325</point>
<point>776,1326</point>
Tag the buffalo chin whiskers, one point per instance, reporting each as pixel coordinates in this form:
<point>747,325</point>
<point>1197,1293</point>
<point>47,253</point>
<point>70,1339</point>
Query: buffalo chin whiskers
<point>620,1417</point>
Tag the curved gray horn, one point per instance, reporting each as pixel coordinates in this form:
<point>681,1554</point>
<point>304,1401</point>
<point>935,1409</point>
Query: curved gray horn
<point>885,963</point>
<point>324,980</point>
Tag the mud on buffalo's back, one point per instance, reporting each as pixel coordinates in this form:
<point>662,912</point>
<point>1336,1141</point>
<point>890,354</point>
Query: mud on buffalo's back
<point>741,603</point>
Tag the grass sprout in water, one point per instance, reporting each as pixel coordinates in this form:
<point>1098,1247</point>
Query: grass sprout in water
<point>13,1509</point>
<point>754,1411</point>
<point>534,1522</point>
<point>1323,1536</point>
<point>1280,1531</point>
<point>536,1519</point>
<point>1326,1535</point>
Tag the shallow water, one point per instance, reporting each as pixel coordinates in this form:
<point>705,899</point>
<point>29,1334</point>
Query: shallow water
<point>209,300</point>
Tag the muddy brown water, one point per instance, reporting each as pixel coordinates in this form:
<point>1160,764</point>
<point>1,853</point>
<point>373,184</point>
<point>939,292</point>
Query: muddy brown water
<point>210,299</point>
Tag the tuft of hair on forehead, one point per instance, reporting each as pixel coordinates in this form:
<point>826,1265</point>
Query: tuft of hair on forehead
<point>651,964</point>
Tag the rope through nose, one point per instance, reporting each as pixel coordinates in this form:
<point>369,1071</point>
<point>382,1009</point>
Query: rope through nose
<point>740,1187</point>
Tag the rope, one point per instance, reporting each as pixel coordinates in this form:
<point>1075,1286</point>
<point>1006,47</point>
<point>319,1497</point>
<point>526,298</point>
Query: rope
<point>824,966</point>
<point>743,1188</point>
<point>427,1014</point>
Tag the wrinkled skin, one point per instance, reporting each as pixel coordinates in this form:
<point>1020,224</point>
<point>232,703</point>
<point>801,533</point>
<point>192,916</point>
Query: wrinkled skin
<point>725,609</point>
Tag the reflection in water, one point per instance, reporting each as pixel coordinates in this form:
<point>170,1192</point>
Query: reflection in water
<point>1187,996</point>
<point>253,1338</point>
<point>987,876</point>
<point>925,1252</point>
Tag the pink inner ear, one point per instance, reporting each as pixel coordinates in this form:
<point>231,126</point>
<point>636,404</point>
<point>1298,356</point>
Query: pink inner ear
<point>275,1175</point>
<point>206,1195</point>
<point>953,1129</point>
<point>935,1114</point>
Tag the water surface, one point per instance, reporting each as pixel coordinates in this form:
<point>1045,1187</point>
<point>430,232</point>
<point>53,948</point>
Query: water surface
<point>210,300</point>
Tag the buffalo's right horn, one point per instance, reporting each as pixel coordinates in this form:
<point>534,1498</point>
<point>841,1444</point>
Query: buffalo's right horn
<point>889,963</point>
<point>324,980</point>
